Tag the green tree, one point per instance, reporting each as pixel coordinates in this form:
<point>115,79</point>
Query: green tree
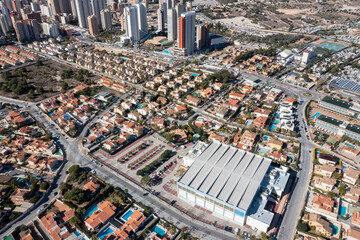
<point>337,175</point>
<point>74,169</point>
<point>23,228</point>
<point>40,90</point>
<point>342,189</point>
<point>75,194</point>
<point>145,180</point>
<point>358,181</point>
<point>263,236</point>
<point>39,63</point>
<point>6,75</point>
<point>31,93</point>
<point>34,199</point>
<point>170,137</point>
<point>65,86</point>
<point>302,227</point>
<point>331,194</point>
<point>44,185</point>
<point>305,76</point>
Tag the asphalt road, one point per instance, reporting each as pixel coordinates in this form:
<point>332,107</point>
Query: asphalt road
<point>73,154</point>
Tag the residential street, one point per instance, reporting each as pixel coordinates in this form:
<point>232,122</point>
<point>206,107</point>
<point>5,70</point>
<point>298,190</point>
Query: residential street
<point>74,154</point>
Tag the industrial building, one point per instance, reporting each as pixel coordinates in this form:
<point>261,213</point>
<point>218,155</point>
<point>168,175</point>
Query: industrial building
<point>233,184</point>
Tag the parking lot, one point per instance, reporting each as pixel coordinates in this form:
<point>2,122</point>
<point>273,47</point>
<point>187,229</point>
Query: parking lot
<point>141,153</point>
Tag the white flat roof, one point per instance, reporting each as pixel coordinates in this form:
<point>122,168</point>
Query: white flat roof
<point>227,173</point>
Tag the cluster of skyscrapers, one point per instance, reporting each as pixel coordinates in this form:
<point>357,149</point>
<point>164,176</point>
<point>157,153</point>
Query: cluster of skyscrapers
<point>92,14</point>
<point>181,28</point>
<point>30,18</point>
<point>23,20</point>
<point>136,26</point>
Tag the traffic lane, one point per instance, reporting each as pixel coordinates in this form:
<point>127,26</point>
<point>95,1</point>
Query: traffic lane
<point>156,203</point>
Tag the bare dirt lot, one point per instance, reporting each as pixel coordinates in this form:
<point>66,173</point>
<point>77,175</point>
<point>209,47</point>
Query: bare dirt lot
<point>284,15</point>
<point>293,11</point>
<point>39,80</point>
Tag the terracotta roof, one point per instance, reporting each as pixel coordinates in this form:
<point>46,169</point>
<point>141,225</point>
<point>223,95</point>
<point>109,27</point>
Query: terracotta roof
<point>324,167</point>
<point>354,232</point>
<point>351,150</point>
<point>352,173</point>
<point>325,180</point>
<point>104,212</point>
<point>289,100</point>
<point>91,186</point>
<point>236,95</point>
<point>323,202</point>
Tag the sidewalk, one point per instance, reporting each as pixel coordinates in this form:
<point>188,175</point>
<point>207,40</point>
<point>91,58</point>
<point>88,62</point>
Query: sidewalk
<point>199,213</point>
<point>194,213</point>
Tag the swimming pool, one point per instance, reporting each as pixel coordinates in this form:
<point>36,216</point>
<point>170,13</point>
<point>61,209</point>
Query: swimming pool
<point>104,233</point>
<point>140,106</point>
<point>58,153</point>
<point>127,215</point>
<point>194,74</point>
<point>248,123</point>
<point>316,115</point>
<point>77,233</point>
<point>277,115</point>
<point>266,138</point>
<point>350,145</point>
<point>335,229</point>
<point>51,113</point>
<point>20,179</point>
<point>1,137</point>
<point>342,210</point>
<point>272,127</point>
<point>91,210</point>
<point>167,51</point>
<point>55,168</point>
<point>159,230</point>
<point>196,136</point>
<point>67,115</point>
<point>264,150</point>
<point>276,121</point>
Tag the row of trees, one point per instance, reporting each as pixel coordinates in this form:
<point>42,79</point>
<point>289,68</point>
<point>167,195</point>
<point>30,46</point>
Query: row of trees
<point>16,86</point>
<point>223,76</point>
<point>276,40</point>
<point>150,166</point>
<point>249,54</point>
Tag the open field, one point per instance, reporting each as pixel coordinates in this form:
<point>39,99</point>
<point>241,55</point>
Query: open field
<point>239,21</point>
<point>38,81</point>
<point>282,15</point>
<point>293,11</point>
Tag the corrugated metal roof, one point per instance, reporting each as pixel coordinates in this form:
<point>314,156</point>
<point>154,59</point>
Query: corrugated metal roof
<point>227,173</point>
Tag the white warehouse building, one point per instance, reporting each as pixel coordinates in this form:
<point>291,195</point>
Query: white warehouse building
<point>234,184</point>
